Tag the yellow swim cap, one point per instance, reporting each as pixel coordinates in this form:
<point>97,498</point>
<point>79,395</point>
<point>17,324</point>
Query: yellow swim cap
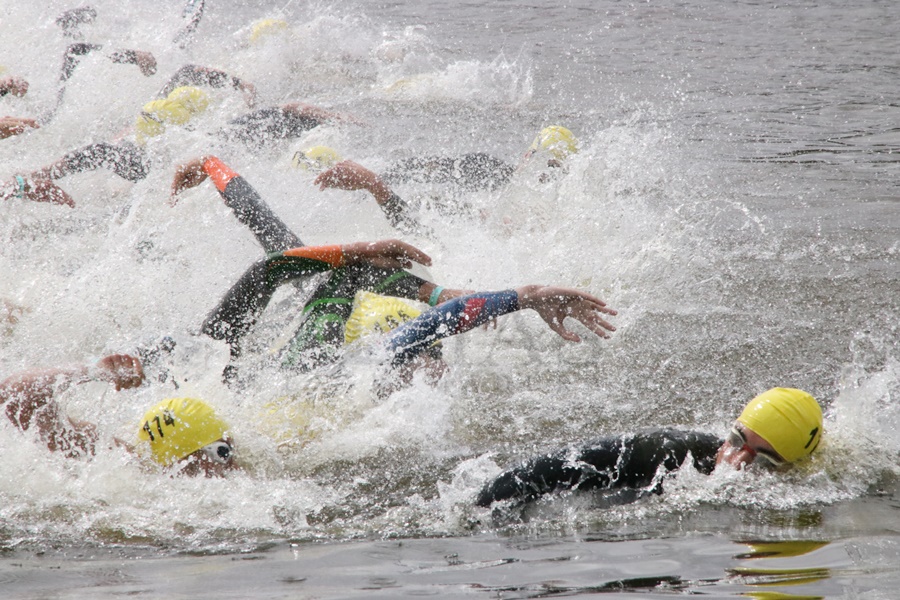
<point>177,427</point>
<point>266,27</point>
<point>557,140</point>
<point>789,419</point>
<point>317,158</point>
<point>376,314</point>
<point>193,99</point>
<point>179,107</point>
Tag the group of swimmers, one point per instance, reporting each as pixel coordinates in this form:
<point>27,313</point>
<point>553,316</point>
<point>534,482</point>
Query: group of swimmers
<point>365,300</point>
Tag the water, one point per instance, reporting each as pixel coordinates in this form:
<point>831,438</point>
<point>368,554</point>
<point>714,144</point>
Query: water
<point>735,198</point>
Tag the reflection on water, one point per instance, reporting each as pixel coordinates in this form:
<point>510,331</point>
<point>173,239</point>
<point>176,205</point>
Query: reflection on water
<point>493,567</point>
<point>772,574</point>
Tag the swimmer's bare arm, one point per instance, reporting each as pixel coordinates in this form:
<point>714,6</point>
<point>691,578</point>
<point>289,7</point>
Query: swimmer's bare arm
<point>554,304</point>
<point>386,254</point>
<point>10,126</point>
<point>36,189</point>
<point>351,176</point>
<point>316,113</point>
<point>29,398</point>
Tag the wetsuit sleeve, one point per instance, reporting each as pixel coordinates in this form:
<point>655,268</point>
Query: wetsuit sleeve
<point>124,159</point>
<point>266,125</point>
<point>450,318</point>
<point>249,208</point>
<point>399,215</point>
<point>249,296</point>
<point>71,56</point>
<point>550,473</point>
<point>632,462</point>
<point>197,75</point>
<point>185,35</point>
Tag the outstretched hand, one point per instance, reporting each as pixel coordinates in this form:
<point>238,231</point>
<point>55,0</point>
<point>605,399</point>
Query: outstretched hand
<point>187,175</point>
<point>554,304</point>
<point>386,254</point>
<point>121,370</point>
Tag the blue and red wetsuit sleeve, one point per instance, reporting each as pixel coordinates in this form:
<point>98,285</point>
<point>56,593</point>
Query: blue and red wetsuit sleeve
<point>450,318</point>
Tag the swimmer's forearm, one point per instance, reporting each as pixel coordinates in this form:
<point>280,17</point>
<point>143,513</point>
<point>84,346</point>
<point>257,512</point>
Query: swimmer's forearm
<point>450,318</point>
<point>31,390</point>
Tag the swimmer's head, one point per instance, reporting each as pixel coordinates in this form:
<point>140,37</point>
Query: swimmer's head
<point>376,314</point>
<point>265,28</point>
<point>316,159</point>
<point>177,428</point>
<point>557,141</point>
<point>193,99</point>
<point>790,420</point>
<point>179,107</point>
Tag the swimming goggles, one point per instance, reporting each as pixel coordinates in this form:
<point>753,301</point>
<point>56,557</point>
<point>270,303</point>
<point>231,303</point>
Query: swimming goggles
<point>737,439</point>
<point>219,452</point>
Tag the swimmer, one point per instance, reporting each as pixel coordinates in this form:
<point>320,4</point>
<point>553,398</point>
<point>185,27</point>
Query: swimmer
<point>178,430</point>
<point>197,76</point>
<point>777,428</point>
<point>186,433</point>
<point>183,434</point>
<point>272,124</point>
<point>470,172</point>
<point>126,155</point>
<point>320,337</point>
<point>323,333</point>
<point>336,173</point>
<point>553,146</point>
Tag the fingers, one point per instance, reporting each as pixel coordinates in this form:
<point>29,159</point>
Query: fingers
<point>325,179</point>
<point>411,252</point>
<point>122,370</point>
<point>589,316</point>
<point>564,333</point>
<point>559,304</point>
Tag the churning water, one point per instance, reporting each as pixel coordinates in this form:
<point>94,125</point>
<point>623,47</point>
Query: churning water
<point>736,197</point>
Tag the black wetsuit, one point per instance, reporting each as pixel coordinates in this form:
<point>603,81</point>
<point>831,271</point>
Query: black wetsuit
<point>322,332</point>
<point>197,75</point>
<point>267,125</point>
<point>611,463</point>
<point>126,159</point>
